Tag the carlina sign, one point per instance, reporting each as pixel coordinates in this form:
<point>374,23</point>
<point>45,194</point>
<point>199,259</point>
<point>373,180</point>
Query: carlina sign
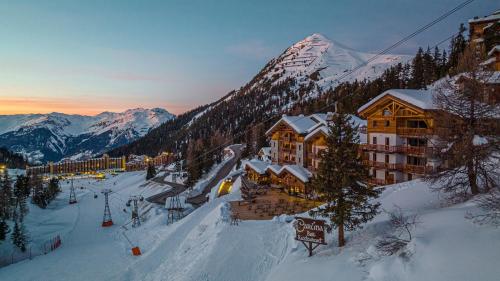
<point>310,232</point>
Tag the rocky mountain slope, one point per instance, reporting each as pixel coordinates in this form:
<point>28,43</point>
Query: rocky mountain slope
<point>51,137</point>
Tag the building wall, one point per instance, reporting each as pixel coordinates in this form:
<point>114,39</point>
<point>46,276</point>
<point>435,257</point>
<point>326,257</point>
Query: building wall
<point>390,119</point>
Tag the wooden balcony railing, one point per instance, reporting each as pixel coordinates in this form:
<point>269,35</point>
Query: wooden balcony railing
<point>381,148</point>
<point>417,169</point>
<point>383,165</point>
<point>405,131</point>
<point>375,181</point>
<point>415,150</point>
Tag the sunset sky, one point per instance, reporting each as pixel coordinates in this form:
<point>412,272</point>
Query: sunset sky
<point>86,57</point>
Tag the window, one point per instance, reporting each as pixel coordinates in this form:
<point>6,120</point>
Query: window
<point>416,124</point>
<point>300,147</point>
<point>374,123</point>
<point>374,140</point>
<point>387,141</point>
<point>387,123</point>
<point>417,142</point>
<point>374,157</point>
<point>386,112</point>
<point>386,158</point>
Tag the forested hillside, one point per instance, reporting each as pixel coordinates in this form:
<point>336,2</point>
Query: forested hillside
<point>245,114</point>
<point>11,160</point>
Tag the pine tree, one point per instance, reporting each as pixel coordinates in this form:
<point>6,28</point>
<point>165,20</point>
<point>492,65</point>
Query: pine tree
<point>6,196</point>
<point>417,71</point>
<point>39,196</point>
<point>341,180</point>
<point>52,189</point>
<point>150,172</point>
<point>19,237</point>
<point>4,229</point>
<point>457,47</point>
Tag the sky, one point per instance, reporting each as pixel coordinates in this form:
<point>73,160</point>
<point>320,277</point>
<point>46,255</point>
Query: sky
<point>86,57</point>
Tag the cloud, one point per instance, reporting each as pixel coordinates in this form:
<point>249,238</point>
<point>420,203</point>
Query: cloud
<point>253,49</point>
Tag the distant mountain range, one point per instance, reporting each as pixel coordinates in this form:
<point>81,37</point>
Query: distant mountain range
<point>301,74</point>
<point>54,136</point>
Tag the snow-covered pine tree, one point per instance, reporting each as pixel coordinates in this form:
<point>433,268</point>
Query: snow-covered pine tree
<point>341,180</point>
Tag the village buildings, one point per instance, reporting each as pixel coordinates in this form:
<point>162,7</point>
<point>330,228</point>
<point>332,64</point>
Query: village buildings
<point>296,143</point>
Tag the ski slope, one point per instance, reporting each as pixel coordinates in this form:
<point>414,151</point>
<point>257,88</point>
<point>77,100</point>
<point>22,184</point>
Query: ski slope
<point>203,247</point>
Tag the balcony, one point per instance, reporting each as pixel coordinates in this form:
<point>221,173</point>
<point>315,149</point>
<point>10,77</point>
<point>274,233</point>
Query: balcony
<point>377,182</point>
<point>381,148</point>
<point>383,165</point>
<point>405,131</point>
<point>418,169</point>
<point>414,150</point>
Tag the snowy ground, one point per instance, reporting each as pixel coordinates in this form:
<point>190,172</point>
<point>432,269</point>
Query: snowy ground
<point>203,247</point>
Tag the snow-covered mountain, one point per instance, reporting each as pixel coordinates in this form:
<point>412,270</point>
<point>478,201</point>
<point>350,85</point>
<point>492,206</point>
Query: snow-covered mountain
<point>302,74</point>
<point>51,137</point>
<point>324,63</point>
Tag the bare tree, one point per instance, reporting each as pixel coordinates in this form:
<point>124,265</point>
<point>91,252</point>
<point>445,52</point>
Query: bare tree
<point>401,232</point>
<point>490,206</point>
<point>467,131</point>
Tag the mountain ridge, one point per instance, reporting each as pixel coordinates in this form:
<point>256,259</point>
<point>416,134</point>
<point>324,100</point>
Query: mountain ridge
<point>54,136</point>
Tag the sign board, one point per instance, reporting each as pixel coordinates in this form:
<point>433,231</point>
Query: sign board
<point>309,232</point>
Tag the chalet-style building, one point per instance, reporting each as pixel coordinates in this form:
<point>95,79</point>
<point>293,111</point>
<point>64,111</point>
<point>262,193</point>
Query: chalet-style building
<point>483,31</point>
<point>399,135</point>
<point>296,142</point>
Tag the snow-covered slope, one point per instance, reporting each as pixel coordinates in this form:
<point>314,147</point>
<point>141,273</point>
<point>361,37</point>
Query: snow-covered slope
<point>202,247</point>
<point>324,63</point>
<point>327,61</point>
<point>44,137</point>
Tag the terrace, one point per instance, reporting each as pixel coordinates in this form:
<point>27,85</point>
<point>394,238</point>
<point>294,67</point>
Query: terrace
<point>264,202</point>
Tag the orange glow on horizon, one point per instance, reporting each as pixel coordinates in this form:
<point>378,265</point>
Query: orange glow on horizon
<point>10,106</point>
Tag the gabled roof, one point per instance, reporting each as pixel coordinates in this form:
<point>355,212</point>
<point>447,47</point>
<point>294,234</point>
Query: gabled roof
<point>356,121</point>
<point>323,130</point>
<point>296,170</point>
<point>257,165</point>
<point>300,124</point>
<point>422,99</point>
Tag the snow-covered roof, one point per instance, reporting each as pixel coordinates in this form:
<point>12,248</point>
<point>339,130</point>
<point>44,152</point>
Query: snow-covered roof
<point>257,165</point>
<point>494,50</point>
<point>495,16</point>
<point>488,61</point>
<point>275,168</point>
<point>419,98</point>
<point>324,129</point>
<point>300,124</point>
<point>298,171</point>
<point>494,78</point>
